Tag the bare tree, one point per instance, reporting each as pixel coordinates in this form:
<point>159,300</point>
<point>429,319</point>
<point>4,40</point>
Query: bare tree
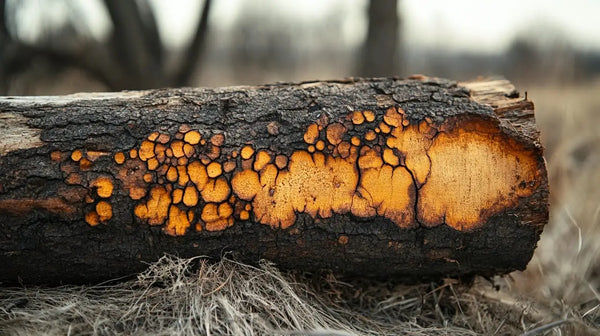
<point>380,49</point>
<point>134,56</point>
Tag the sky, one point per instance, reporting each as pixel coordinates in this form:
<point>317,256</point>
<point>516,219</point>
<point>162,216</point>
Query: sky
<point>459,25</point>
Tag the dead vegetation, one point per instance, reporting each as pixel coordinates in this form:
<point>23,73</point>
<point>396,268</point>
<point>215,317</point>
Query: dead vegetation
<point>559,294</point>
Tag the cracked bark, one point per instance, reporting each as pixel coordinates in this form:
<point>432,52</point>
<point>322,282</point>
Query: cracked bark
<point>45,195</point>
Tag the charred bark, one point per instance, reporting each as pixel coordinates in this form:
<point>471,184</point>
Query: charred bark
<point>417,178</point>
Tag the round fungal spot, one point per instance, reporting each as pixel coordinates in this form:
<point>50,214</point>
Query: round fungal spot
<point>133,153</point>
<point>153,136</point>
<point>343,240</point>
<point>320,145</point>
<point>369,116</point>
<point>246,184</point>
<point>76,155</point>
<point>311,149</point>
<point>247,152</point>
<point>172,174</point>
<point>335,132</point>
<point>147,178</point>
<point>392,117</point>
<point>192,137</point>
<point>355,141</point>
<point>92,218</point>
<point>104,210</point>
<point>214,169</point>
<point>357,118</point>
<point>385,128</point>
<point>370,136</point>
<point>163,138</point>
<point>184,128</point>
<point>229,166</point>
<point>281,161</point>
<point>104,186</point>
<point>56,156</point>
<point>216,190</point>
<point>177,196</point>
<point>273,128</point>
<point>119,158</point>
<point>152,164</point>
<point>261,160</point>
<point>244,215</point>
<point>311,134</point>
<point>85,164</point>
<point>177,148</point>
<point>217,140</point>
<point>190,196</point>
<point>146,150</point>
<point>344,149</point>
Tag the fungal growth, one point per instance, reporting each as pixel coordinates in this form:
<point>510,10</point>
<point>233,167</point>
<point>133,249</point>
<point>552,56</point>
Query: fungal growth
<point>458,173</point>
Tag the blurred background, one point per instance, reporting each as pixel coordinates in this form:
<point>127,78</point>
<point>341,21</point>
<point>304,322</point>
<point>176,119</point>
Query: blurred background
<point>549,49</point>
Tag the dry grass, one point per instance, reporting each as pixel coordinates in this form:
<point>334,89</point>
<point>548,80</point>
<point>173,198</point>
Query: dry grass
<point>559,294</point>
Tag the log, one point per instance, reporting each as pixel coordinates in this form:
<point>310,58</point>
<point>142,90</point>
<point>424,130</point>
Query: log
<point>417,179</point>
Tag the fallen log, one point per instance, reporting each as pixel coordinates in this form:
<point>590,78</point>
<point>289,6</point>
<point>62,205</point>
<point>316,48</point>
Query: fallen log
<point>416,178</point>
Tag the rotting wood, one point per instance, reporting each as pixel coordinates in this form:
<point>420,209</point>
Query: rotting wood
<point>416,178</point>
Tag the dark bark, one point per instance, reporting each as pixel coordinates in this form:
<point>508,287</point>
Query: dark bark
<point>47,192</point>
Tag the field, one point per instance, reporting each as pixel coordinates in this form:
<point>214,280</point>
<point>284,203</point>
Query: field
<point>558,294</point>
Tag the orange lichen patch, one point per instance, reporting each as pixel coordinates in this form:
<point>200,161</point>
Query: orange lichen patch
<point>392,117</point>
<point>355,141</point>
<point>229,166</point>
<point>190,196</point>
<point>85,164</point>
<point>188,150</point>
<point>217,140</point>
<point>56,156</point>
<point>475,173</point>
<point>335,132</point>
<point>197,174</point>
<point>177,223</point>
<point>119,158</point>
<point>217,217</point>
<point>192,137</point>
<point>155,210</point>
<point>177,148</point>
<point>92,218</point>
<point>244,215</point>
<point>214,169</point>
<point>163,138</point>
<point>216,190</point>
<point>311,134</point>
<point>104,211</point>
<point>214,153</point>
<point>177,196</point>
<point>153,136</point>
<point>384,128</point>
<point>261,160</point>
<point>413,142</point>
<point>281,161</point>
<point>172,174</point>
<point>369,116</point>
<point>95,155</point>
<point>73,178</point>
<point>373,195</point>
<point>184,128</point>
<point>104,186</point>
<point>357,118</point>
<point>390,158</point>
<point>131,175</point>
<point>76,155</point>
<point>133,153</point>
<point>320,145</point>
<point>343,240</point>
<point>315,184</point>
<point>146,150</point>
<point>183,175</point>
<point>344,149</point>
<point>246,184</point>
<point>247,152</point>
<point>370,136</point>
<point>311,149</point>
<point>152,164</point>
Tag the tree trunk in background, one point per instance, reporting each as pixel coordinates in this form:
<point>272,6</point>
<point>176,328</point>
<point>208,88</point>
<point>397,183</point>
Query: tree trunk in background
<point>418,179</point>
<point>380,50</point>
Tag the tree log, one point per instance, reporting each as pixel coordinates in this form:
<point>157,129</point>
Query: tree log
<point>417,178</point>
